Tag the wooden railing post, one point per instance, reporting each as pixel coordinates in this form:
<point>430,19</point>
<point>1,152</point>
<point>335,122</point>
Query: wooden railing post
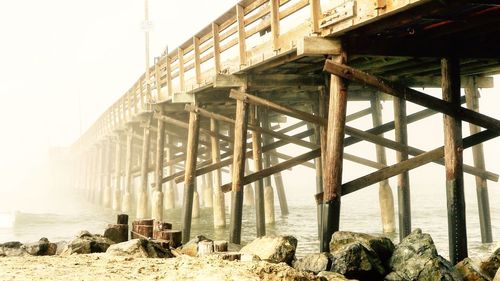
<point>216,48</point>
<point>315,6</point>
<point>275,23</point>
<point>180,63</point>
<point>197,61</point>
<point>240,17</point>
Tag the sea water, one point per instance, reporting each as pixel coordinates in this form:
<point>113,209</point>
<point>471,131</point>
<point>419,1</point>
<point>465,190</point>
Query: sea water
<point>59,215</point>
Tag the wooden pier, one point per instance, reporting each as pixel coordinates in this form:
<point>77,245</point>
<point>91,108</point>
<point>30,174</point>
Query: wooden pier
<point>218,100</point>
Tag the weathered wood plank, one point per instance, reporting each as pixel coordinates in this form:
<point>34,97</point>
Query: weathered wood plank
<point>412,95</point>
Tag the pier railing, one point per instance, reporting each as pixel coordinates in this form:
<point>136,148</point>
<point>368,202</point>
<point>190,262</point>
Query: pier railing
<point>249,34</point>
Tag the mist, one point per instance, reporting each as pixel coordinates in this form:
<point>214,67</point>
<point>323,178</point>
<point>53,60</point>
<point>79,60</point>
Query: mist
<point>64,62</point>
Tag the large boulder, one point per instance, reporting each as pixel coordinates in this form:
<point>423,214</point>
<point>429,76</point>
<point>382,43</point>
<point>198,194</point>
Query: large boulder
<point>491,265</point>
<point>416,258</point>
<point>87,243</point>
<point>497,276</point>
<point>470,271</point>
<point>314,263</point>
<point>273,249</point>
<point>139,248</point>
<point>12,249</point>
<point>359,255</point>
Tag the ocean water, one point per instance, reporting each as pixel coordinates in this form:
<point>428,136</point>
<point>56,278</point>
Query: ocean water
<point>59,215</point>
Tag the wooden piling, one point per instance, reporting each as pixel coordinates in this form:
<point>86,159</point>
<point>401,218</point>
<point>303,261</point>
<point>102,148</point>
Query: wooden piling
<point>127,200</point>
<point>259,185</point>
<point>142,197</point>
<point>169,200</point>
<point>189,177</point>
<point>240,138</point>
<point>483,204</point>
<point>401,136</point>
<point>266,161</point>
<point>453,149</point>
<point>386,199</point>
<point>333,158</point>
<point>219,202</point>
<point>106,191</point>
<point>157,204</point>
<point>118,173</point>
<point>248,190</point>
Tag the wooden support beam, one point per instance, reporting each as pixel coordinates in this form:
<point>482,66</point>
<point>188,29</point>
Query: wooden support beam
<point>185,125</point>
<point>411,163</point>
<point>394,89</point>
<point>332,182</point>
<point>240,136</point>
<point>274,169</point>
<point>189,177</point>
<point>170,87</point>
<point>251,126</point>
<point>483,204</point>
<point>318,46</point>
<point>401,136</point>
<point>453,157</point>
<point>108,162</point>
<point>206,167</point>
<point>259,186</point>
<point>356,134</point>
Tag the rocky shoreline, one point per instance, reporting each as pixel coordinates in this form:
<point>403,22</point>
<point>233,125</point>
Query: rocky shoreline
<point>352,256</point>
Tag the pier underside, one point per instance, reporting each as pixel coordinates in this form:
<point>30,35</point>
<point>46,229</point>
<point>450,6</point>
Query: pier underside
<point>200,109</point>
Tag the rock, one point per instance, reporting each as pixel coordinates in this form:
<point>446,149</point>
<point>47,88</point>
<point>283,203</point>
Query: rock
<point>470,271</point>
<point>359,255</point>
<point>382,246</point>
<point>191,247</point>
<point>12,249</point>
<point>249,258</point>
<point>51,250</point>
<point>273,249</point>
<point>39,248</point>
<point>314,263</point>
<point>491,265</point>
<point>333,276</point>
<point>497,276</point>
<point>86,243</point>
<point>61,245</point>
<point>416,258</point>
<point>139,248</point>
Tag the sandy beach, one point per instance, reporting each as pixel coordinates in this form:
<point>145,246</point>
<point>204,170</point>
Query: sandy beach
<point>105,267</point>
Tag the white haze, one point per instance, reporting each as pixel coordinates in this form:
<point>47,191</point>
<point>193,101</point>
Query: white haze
<point>63,62</point>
